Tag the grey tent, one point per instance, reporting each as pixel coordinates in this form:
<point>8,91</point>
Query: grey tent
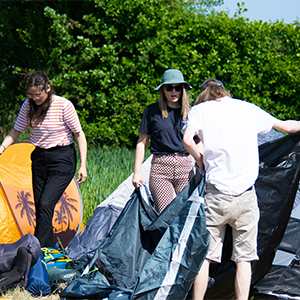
<point>146,255</point>
<point>117,270</point>
<point>83,246</point>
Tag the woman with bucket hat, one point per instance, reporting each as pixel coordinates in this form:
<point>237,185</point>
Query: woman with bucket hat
<point>171,165</point>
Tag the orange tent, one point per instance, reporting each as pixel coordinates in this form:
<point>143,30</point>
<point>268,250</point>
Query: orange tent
<point>17,210</point>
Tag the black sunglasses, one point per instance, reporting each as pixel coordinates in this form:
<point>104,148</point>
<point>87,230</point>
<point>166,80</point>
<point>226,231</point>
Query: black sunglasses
<point>169,88</point>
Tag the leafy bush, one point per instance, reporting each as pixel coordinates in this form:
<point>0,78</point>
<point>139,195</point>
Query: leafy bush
<point>106,56</point>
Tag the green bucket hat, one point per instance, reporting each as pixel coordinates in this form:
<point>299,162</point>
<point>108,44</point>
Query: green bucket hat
<point>172,76</point>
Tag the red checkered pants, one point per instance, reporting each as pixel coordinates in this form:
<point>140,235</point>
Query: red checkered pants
<point>169,173</point>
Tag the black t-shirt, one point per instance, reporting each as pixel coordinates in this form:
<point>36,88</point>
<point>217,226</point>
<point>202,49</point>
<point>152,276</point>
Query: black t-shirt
<point>165,134</point>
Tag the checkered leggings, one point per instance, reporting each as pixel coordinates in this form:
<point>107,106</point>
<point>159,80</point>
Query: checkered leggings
<point>168,174</point>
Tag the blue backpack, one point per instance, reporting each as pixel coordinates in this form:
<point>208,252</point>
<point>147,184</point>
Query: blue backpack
<point>55,259</point>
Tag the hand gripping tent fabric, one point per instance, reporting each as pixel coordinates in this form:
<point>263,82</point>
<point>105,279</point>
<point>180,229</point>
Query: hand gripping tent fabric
<point>83,246</point>
<point>146,255</point>
<point>17,216</point>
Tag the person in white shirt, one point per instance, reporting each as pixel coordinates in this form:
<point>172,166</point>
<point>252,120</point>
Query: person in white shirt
<point>52,120</point>
<point>228,129</point>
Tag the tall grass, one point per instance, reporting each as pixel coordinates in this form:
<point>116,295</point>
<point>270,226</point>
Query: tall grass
<point>107,169</point>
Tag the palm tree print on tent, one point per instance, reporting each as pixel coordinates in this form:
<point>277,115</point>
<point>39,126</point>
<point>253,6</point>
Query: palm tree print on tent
<point>66,207</point>
<point>60,219</point>
<point>16,197</point>
<point>27,207</point>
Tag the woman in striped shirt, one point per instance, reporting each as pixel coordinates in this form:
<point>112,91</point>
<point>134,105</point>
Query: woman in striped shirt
<point>52,120</point>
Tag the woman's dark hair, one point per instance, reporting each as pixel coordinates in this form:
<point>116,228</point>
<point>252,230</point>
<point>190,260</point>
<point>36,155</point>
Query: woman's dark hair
<point>212,92</point>
<point>37,113</point>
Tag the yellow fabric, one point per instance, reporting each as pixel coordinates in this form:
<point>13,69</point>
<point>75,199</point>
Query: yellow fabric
<point>9,230</point>
<point>53,254</point>
<point>17,216</point>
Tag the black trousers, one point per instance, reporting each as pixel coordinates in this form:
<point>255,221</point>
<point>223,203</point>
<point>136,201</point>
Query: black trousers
<point>52,171</point>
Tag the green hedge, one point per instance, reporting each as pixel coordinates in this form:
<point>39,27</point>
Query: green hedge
<point>107,56</point>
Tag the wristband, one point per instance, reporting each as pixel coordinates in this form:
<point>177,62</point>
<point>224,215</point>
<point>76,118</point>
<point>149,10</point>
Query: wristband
<point>3,147</point>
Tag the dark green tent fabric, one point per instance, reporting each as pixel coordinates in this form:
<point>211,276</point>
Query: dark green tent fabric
<point>146,255</point>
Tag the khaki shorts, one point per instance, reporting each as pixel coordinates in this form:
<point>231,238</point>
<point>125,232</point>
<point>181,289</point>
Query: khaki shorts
<point>241,213</point>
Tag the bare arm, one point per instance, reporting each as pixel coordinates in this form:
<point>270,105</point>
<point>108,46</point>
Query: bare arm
<point>82,147</point>
<point>288,126</point>
<point>9,139</point>
<point>191,146</point>
<point>200,147</point>
<point>140,152</point>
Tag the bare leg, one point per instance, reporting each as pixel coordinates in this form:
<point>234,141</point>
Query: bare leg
<point>200,283</point>
<point>242,280</point>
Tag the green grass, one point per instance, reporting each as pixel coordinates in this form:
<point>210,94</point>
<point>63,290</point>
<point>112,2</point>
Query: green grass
<point>22,294</point>
<point>107,169</point>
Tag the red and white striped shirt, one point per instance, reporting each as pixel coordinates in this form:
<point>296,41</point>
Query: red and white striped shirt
<point>57,127</point>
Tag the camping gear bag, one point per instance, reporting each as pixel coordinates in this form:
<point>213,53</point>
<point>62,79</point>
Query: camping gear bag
<point>16,261</point>
<point>19,273</point>
<point>55,258</point>
<point>58,276</point>
<point>9,251</point>
<point>38,281</point>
